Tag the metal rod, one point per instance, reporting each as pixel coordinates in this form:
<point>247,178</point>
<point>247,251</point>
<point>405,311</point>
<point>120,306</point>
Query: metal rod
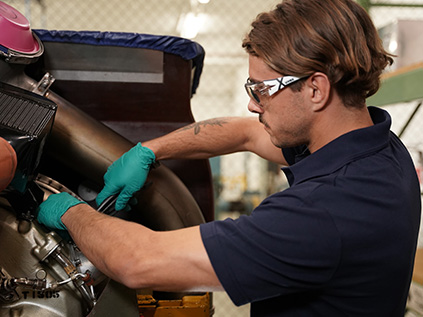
<point>409,119</point>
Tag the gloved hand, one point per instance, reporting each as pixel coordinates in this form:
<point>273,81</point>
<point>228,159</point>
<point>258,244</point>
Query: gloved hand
<point>54,207</point>
<point>127,175</point>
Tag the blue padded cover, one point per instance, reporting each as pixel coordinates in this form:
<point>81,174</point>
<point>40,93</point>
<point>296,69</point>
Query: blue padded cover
<point>185,48</point>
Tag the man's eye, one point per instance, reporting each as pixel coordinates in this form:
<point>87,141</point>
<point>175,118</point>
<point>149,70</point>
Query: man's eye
<point>263,89</point>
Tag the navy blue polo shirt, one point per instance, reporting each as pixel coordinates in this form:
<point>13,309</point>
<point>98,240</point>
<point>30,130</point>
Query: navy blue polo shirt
<point>339,241</point>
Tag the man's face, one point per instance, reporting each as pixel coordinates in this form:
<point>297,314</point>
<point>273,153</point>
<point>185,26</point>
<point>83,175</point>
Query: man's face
<point>284,115</point>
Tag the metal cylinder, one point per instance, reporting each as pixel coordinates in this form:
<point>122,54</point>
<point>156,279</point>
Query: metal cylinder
<point>86,145</point>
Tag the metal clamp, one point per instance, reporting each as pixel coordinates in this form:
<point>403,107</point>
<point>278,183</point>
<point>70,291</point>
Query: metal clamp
<point>44,84</point>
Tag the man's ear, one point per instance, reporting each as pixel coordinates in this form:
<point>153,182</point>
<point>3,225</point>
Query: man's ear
<point>319,89</point>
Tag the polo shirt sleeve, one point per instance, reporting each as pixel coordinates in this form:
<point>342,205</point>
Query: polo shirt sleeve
<point>286,246</point>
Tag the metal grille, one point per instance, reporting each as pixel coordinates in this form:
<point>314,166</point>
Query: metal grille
<point>22,115</point>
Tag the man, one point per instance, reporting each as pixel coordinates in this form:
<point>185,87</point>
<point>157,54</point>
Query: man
<point>340,241</point>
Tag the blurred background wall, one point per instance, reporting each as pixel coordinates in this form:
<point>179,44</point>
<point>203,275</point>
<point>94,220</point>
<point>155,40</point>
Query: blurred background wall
<point>242,180</point>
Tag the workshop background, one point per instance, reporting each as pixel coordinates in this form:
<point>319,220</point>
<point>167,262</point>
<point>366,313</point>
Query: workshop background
<point>242,180</point>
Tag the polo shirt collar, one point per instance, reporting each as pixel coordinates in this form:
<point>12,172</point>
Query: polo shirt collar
<point>342,150</point>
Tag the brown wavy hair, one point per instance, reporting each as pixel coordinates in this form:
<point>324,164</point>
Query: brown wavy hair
<point>335,37</point>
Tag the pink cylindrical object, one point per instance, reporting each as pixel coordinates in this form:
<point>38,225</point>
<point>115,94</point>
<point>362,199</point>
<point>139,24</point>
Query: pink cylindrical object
<point>15,31</point>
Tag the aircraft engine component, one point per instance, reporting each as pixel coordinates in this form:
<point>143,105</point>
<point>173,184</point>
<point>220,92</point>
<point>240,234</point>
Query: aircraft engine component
<point>40,271</point>
<point>48,145</point>
<point>49,276</point>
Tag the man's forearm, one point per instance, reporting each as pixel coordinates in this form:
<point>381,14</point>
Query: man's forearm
<point>214,137</point>
<point>203,139</point>
<point>100,238</point>
<point>139,257</point>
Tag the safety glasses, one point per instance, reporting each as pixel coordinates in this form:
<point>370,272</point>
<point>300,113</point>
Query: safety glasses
<point>268,87</point>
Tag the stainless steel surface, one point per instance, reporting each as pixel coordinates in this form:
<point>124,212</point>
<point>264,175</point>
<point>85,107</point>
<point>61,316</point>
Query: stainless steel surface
<point>43,274</point>
<point>18,260</point>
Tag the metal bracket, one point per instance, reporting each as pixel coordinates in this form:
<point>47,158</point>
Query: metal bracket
<point>44,84</point>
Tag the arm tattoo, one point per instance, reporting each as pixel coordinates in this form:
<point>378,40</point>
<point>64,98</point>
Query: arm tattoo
<point>197,125</point>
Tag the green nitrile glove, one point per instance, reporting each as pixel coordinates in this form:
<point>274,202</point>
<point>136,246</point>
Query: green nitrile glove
<point>54,207</point>
<point>127,175</point>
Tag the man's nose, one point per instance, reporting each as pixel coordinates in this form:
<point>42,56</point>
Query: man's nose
<point>254,107</point>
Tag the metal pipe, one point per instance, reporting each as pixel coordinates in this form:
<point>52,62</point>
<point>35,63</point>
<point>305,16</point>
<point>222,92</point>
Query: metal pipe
<point>77,139</point>
<point>87,146</point>
<point>75,277</point>
<point>84,144</point>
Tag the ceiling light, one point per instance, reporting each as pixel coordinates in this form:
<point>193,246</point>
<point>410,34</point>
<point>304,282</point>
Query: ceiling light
<point>190,24</point>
